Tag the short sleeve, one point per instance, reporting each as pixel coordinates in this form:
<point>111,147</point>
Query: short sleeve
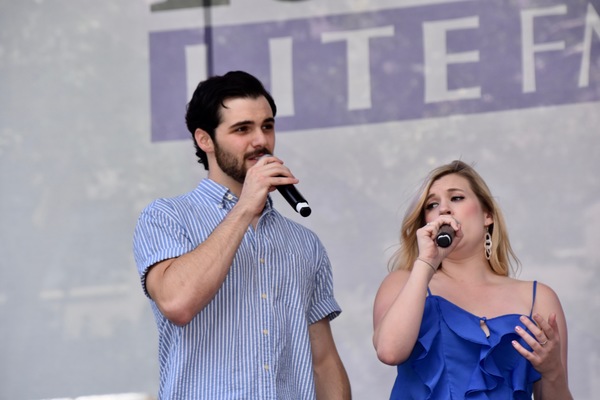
<point>323,302</point>
<point>158,236</point>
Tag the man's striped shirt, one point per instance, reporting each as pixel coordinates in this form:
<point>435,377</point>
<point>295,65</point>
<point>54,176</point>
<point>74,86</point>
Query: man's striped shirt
<point>251,341</point>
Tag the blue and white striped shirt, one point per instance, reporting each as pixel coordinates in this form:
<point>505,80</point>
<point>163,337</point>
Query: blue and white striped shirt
<point>251,341</point>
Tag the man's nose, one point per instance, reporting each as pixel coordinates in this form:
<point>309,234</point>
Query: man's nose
<point>259,138</point>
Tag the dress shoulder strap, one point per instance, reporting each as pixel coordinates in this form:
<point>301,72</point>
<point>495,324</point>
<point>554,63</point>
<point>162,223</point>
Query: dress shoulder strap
<point>428,291</point>
<point>533,300</point>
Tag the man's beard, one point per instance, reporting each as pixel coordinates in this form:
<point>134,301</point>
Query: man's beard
<point>230,165</point>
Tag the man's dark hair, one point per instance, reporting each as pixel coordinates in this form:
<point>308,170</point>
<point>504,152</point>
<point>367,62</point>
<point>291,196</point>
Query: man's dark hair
<point>204,109</point>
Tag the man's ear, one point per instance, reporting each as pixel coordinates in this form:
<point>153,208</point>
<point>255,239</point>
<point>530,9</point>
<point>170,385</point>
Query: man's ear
<point>203,140</point>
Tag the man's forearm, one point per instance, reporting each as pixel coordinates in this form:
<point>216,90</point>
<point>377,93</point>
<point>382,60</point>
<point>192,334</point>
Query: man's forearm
<point>332,382</point>
<point>183,287</point>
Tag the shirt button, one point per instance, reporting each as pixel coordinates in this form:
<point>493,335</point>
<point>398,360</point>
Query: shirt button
<point>264,295</point>
<point>262,260</point>
<point>265,331</point>
<point>266,366</point>
<point>229,196</point>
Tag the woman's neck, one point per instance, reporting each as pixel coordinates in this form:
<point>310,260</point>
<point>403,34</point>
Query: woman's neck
<point>473,270</point>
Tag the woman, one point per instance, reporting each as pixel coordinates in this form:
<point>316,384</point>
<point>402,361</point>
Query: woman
<point>452,319</point>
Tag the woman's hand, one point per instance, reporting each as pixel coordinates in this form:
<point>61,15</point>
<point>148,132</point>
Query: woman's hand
<point>544,340</point>
<point>429,251</point>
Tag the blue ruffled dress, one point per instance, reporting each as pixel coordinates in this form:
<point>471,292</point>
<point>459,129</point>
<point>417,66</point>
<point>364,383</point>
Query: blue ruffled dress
<point>454,359</point>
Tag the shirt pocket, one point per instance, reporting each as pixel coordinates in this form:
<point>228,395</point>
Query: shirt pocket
<point>294,281</point>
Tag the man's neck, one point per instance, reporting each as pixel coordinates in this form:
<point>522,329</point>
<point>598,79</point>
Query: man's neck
<point>225,180</point>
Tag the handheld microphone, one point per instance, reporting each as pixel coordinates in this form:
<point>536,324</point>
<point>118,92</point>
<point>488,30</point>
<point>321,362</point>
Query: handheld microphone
<point>294,198</point>
<point>445,236</point>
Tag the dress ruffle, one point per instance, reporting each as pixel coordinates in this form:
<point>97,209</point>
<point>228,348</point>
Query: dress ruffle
<point>453,358</point>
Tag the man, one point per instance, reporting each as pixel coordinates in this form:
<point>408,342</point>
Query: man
<point>241,295</point>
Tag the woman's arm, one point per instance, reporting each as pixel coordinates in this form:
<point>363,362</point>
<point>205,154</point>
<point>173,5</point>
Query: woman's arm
<point>398,312</point>
<point>400,300</point>
<point>549,346</point>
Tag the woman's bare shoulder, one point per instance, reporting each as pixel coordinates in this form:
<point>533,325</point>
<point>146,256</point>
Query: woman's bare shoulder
<point>392,283</point>
<point>396,277</point>
<point>545,297</point>
<point>526,285</point>
<point>388,290</point>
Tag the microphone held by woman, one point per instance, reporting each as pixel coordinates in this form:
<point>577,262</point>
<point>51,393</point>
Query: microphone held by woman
<point>445,236</point>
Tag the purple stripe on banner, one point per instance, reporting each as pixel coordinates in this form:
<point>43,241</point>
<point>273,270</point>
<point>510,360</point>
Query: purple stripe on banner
<point>397,64</point>
<point>168,82</point>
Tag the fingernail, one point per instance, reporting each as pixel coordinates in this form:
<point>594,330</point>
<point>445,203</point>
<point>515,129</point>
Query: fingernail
<point>518,328</point>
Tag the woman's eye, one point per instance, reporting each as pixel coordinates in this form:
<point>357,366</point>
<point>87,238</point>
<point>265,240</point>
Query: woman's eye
<point>431,206</point>
<point>457,198</point>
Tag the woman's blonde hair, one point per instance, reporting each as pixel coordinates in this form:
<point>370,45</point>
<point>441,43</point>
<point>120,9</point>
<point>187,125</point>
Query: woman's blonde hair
<point>503,260</point>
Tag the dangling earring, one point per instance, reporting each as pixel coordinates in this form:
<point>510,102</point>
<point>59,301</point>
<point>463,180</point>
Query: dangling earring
<point>487,244</point>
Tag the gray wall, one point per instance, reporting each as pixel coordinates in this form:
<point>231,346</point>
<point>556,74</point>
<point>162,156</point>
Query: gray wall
<point>91,99</point>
